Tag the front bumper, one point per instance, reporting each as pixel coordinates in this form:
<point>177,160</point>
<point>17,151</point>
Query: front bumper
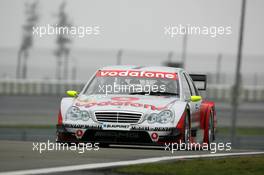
<point>135,136</point>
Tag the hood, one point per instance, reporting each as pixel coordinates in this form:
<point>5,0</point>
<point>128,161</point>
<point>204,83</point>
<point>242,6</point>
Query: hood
<point>139,103</point>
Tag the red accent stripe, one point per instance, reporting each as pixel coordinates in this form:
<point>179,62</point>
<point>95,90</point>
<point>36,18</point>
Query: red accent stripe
<point>59,118</point>
<point>180,124</point>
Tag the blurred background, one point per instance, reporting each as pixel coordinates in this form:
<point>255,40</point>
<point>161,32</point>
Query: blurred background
<point>36,71</point>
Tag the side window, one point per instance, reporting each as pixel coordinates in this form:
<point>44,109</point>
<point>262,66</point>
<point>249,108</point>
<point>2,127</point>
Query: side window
<point>191,84</point>
<point>195,89</point>
<point>186,88</point>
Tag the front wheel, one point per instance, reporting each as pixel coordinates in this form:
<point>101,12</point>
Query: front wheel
<point>210,130</point>
<point>187,129</point>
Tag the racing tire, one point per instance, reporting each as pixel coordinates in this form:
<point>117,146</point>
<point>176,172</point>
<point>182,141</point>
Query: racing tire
<point>210,129</point>
<point>187,129</point>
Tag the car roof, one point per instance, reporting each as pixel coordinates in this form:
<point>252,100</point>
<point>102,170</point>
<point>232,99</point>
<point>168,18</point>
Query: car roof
<point>143,68</point>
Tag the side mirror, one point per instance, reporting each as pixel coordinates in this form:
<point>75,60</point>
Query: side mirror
<point>196,98</point>
<point>72,93</point>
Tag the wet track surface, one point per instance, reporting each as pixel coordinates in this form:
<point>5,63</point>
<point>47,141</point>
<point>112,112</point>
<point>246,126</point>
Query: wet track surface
<point>22,156</point>
<point>16,144</point>
<point>18,155</point>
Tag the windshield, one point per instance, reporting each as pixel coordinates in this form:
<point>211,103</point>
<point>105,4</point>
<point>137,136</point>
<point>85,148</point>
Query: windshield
<point>138,84</point>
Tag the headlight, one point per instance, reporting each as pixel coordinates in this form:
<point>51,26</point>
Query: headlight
<point>85,115</point>
<point>162,117</point>
<point>74,113</point>
<point>152,118</point>
<point>165,116</point>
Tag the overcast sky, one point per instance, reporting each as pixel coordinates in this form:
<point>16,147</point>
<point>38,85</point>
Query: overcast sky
<point>139,24</point>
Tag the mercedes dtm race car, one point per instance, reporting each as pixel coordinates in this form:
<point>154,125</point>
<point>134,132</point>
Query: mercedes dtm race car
<point>138,105</point>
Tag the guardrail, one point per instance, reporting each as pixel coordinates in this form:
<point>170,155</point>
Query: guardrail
<point>54,87</point>
<point>246,93</point>
<point>38,87</point>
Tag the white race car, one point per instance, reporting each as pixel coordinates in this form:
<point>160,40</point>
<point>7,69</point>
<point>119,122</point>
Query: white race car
<point>138,105</point>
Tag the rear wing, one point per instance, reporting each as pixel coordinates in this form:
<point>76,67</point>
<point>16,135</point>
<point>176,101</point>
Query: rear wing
<point>200,81</point>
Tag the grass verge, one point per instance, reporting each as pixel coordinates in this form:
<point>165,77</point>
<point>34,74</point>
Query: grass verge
<point>248,165</point>
<point>242,131</point>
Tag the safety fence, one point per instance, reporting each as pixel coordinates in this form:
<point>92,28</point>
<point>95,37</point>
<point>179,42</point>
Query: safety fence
<point>38,87</point>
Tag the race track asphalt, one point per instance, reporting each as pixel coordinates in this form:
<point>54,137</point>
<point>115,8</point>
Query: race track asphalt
<point>42,110</point>
<point>18,155</point>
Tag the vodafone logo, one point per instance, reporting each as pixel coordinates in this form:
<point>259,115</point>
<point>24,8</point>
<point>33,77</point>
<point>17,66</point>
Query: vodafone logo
<point>138,74</point>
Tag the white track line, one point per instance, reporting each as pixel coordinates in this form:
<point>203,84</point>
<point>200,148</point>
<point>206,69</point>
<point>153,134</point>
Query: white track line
<point>121,163</point>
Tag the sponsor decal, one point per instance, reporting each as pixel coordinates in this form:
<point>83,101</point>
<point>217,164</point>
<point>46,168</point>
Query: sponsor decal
<point>120,126</point>
<point>82,126</point>
<point>138,74</point>
<point>147,128</point>
<point>106,126</point>
<point>121,103</point>
<point>117,134</point>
